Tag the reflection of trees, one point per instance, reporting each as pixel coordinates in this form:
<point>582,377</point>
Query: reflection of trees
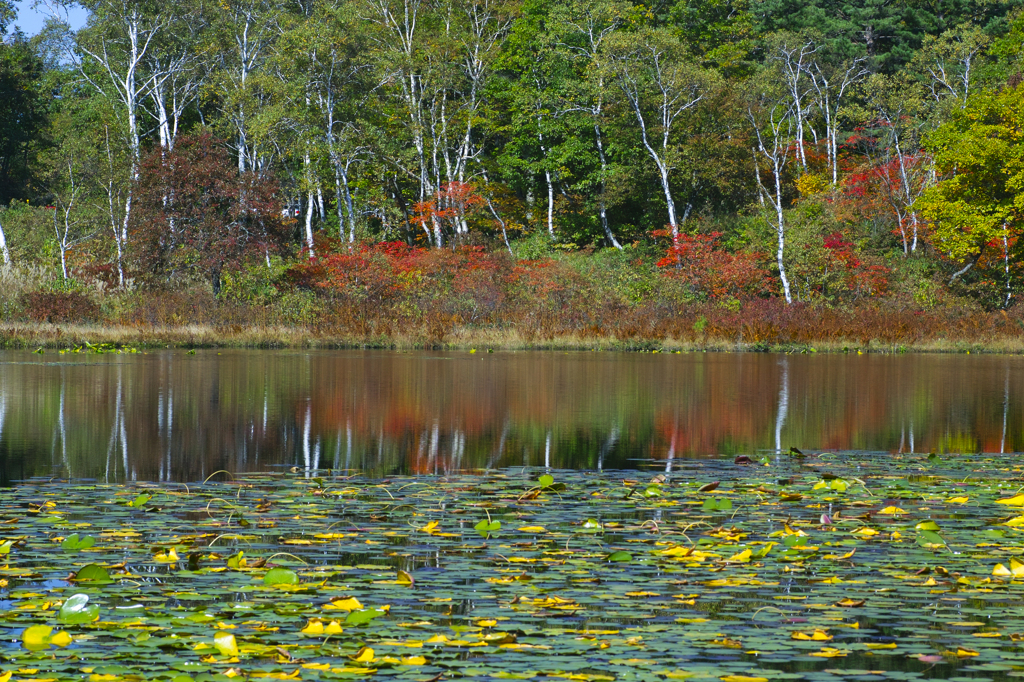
<point>170,416</point>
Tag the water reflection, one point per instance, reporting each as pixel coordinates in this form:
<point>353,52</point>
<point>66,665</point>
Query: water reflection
<point>169,416</point>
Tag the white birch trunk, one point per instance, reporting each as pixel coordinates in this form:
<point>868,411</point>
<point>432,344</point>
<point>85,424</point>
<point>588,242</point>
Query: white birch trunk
<point>6,252</point>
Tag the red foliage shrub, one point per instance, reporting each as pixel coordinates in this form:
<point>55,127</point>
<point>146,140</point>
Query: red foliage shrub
<point>64,307</point>
<point>196,214</point>
<point>861,279</point>
<point>712,272</point>
<point>453,203</point>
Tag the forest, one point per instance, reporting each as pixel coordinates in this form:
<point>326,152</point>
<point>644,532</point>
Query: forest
<point>765,172</point>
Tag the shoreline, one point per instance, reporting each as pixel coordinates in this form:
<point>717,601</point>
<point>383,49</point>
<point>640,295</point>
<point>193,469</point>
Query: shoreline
<point>49,336</point>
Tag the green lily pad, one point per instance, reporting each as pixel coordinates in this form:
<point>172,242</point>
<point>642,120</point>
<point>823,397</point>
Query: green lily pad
<point>280,576</point>
<point>77,610</point>
<point>92,573</point>
<point>74,543</point>
<point>363,616</point>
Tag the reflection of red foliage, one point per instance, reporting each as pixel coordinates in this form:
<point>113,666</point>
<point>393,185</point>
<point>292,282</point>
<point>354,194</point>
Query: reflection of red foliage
<point>710,270</point>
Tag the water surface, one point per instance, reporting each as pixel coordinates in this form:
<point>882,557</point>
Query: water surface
<point>170,416</point>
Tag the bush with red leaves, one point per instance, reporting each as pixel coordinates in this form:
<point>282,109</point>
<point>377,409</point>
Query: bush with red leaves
<point>60,306</point>
<point>711,272</point>
<point>196,214</point>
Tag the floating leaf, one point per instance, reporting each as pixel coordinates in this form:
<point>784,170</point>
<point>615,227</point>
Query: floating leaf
<point>225,643</point>
<point>891,511</point>
<point>313,627</point>
<point>365,655</point>
<point>1016,570</point>
<point>36,637</point>
<point>76,610</point>
<point>404,578</point>
<point>140,501</point>
<point>280,576</point>
<point>166,557</point>
<point>1015,501</point>
<point>92,573</point>
<point>620,556</point>
<point>716,504</point>
<point>743,556</point>
<point>930,537</point>
<point>816,636</point>
<point>364,616</point>
<point>344,604</point>
<point>61,639</point>
<point>486,526</point>
<point>73,543</point>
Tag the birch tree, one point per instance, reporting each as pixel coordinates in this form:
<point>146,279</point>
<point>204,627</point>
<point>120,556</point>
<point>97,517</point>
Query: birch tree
<point>659,85</point>
<point>70,225</point>
<point>949,61</point>
<point>111,55</point>
<point>903,166</point>
<point>583,30</point>
<point>773,122</point>
<point>4,250</point>
<point>437,78</point>
<point>833,83</point>
<point>245,31</point>
<point>792,56</point>
<point>175,73</point>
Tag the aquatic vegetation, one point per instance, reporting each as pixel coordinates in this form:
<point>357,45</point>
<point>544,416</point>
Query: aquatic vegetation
<point>904,567</point>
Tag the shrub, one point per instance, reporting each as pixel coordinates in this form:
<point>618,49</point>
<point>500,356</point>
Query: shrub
<point>59,306</point>
<point>710,272</point>
<point>196,215</point>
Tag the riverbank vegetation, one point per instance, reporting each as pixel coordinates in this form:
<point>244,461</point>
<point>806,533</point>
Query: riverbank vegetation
<point>583,173</point>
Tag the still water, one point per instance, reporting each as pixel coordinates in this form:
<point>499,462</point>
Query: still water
<point>170,416</point>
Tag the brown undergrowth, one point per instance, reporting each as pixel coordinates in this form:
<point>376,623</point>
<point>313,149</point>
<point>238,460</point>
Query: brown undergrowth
<point>395,296</point>
<point>757,326</point>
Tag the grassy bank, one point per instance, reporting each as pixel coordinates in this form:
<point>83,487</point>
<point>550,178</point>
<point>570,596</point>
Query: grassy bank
<point>394,296</point>
<point>54,337</point>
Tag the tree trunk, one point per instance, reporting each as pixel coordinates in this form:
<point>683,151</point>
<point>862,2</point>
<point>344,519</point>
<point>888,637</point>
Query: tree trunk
<point>3,247</point>
<point>601,207</point>
<point>780,230</point>
<point>309,223</point>
<point>667,188</point>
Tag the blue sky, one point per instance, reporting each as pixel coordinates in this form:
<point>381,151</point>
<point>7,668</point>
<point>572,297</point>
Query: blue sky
<point>31,20</point>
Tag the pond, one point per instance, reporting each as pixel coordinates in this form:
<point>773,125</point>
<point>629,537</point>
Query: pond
<point>232,515</point>
<point>175,416</point>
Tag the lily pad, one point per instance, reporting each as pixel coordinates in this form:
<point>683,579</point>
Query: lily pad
<point>77,610</point>
<point>280,576</point>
